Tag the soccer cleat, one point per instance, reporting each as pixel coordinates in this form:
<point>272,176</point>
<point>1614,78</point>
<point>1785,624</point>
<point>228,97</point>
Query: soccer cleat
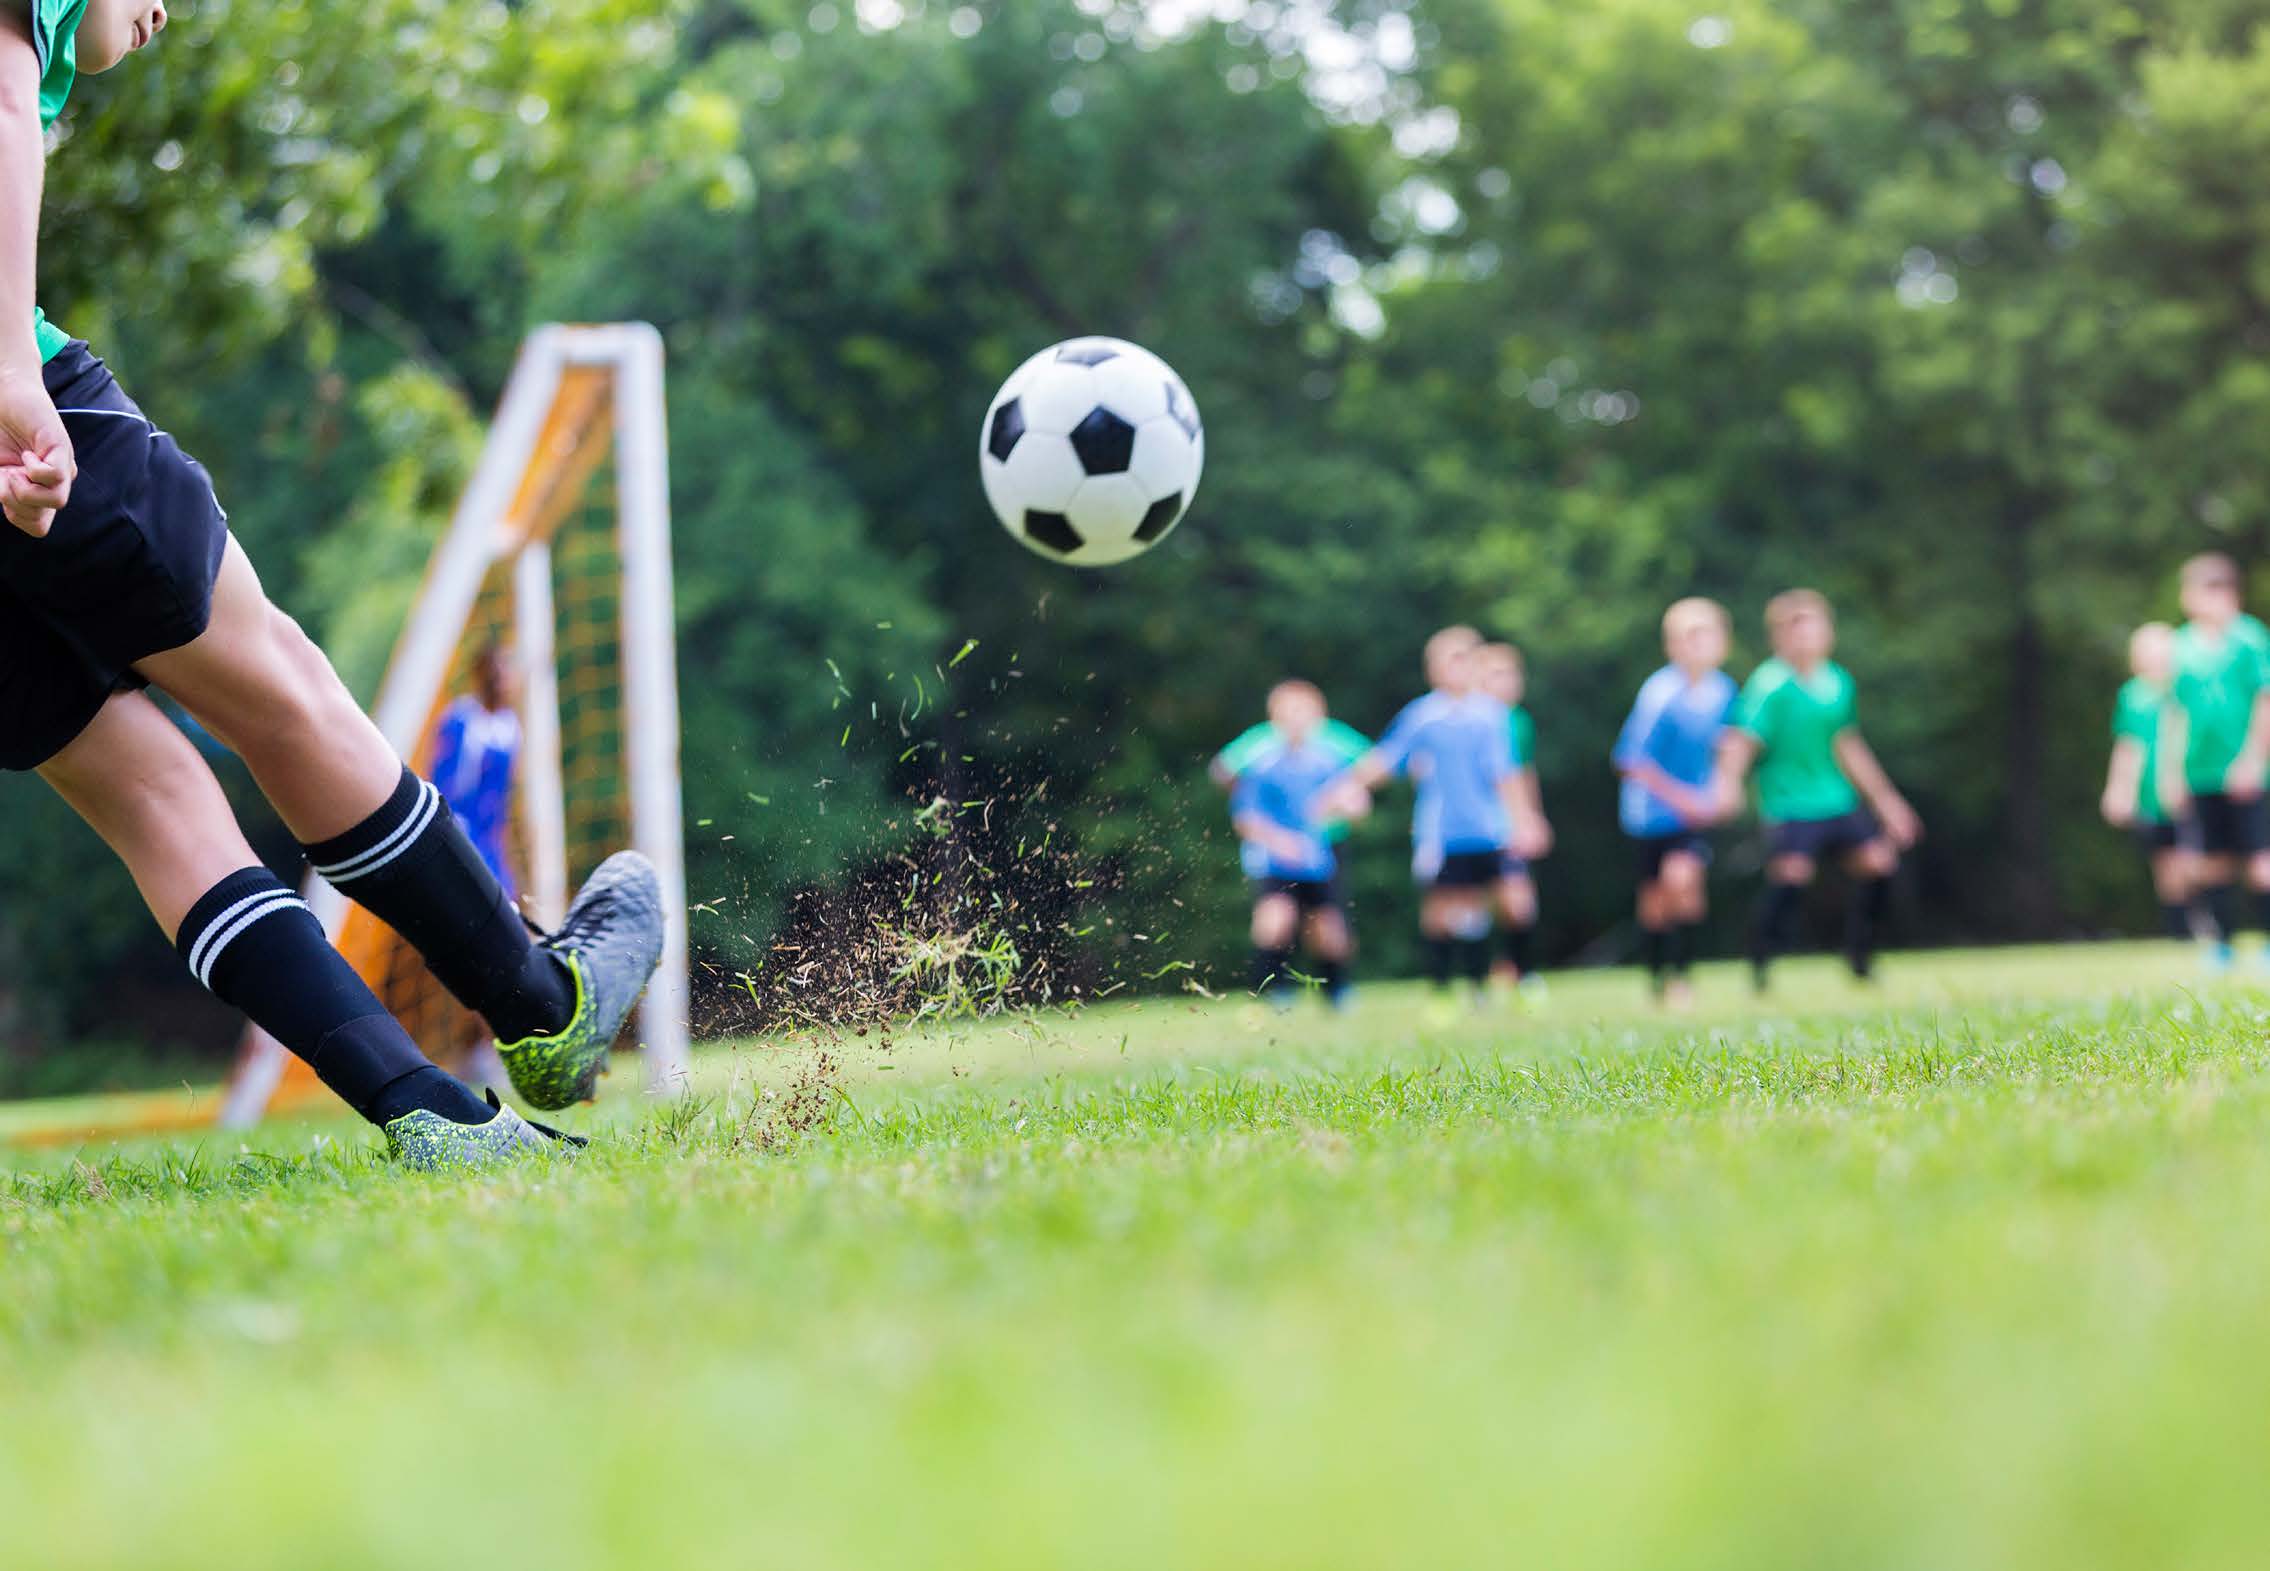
<point>610,943</point>
<point>426,1142</point>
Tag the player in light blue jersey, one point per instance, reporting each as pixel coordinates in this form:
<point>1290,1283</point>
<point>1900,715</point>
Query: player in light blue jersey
<point>476,756</point>
<point>1277,803</point>
<point>1455,745</point>
<point>1667,754</point>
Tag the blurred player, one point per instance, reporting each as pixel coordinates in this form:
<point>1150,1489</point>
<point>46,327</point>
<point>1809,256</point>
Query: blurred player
<point>1667,754</point>
<point>1821,791</point>
<point>2132,779</point>
<point>1500,675</point>
<point>476,755</point>
<point>1455,745</point>
<point>1277,804</point>
<point>2215,745</point>
<point>117,571</point>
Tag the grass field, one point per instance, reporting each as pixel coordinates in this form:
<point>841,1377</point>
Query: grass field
<point>1971,1271</point>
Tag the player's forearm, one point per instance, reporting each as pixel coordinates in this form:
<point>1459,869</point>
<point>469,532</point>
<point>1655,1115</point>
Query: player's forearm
<point>2124,777</point>
<point>2169,783</point>
<point>1861,767</point>
<point>22,157</point>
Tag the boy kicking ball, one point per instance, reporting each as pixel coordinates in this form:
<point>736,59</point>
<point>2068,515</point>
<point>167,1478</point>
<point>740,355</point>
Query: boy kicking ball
<point>1821,791</point>
<point>1667,754</point>
<point>1277,805</point>
<point>117,573</point>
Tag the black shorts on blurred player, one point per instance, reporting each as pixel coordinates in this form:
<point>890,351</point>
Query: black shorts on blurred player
<point>126,572</point>
<point>1468,870</point>
<point>1816,838</point>
<point>1311,895</point>
<point>2152,839</point>
<point>2219,824</point>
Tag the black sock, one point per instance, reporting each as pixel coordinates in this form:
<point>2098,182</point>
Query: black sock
<point>254,943</point>
<point>1335,977</point>
<point>1658,954</point>
<point>1438,960</point>
<point>2176,918</point>
<point>1521,948</point>
<point>411,866</point>
<point>1269,968</point>
<point>1474,959</point>
<point>1871,898</point>
<point>2216,902</point>
<point>2262,910</point>
<point>1679,947</point>
<point>1775,924</point>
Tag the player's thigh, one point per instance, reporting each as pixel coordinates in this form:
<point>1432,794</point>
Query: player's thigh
<point>1276,918</point>
<point>142,785</point>
<point>253,676</point>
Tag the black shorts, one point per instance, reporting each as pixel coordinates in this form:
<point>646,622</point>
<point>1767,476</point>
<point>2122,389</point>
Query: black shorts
<point>2152,839</point>
<point>2221,825</point>
<point>126,572</point>
<point>1823,837</point>
<point>1468,870</point>
<point>1653,849</point>
<point>1310,894</point>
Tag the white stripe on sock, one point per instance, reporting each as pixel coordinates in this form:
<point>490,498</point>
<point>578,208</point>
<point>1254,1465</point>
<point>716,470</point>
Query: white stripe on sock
<point>217,939</point>
<point>369,862</point>
<point>197,949</point>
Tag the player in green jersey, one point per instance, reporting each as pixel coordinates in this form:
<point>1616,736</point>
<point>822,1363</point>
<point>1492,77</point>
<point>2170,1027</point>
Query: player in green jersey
<point>1501,674</point>
<point>2215,745</point>
<point>1820,789</point>
<point>2132,785</point>
<point>118,573</point>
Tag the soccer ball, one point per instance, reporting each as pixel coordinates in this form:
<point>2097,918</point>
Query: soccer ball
<point>1091,451</point>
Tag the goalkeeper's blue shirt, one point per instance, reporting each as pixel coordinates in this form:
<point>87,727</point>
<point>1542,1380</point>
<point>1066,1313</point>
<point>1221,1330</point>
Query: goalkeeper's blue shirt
<point>1280,784</point>
<point>1457,752</point>
<point>476,751</point>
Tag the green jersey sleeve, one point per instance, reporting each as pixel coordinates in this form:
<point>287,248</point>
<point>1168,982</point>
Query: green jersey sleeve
<point>55,31</point>
<point>1344,741</point>
<point>1524,738</point>
<point>1754,706</point>
<point>1238,757</point>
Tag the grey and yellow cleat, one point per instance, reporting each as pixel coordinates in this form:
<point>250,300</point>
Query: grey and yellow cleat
<point>429,1143</point>
<point>611,942</point>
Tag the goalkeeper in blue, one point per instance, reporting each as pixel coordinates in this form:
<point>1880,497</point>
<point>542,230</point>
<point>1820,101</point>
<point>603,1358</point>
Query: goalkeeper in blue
<point>118,574</point>
<point>1667,754</point>
<point>1277,803</point>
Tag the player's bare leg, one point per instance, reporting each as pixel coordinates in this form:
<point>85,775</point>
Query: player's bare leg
<point>1456,925</point>
<point>1334,947</point>
<point>141,785</point>
<point>1276,928</point>
<point>1775,926</point>
<point>1515,899</point>
<point>1681,895</point>
<point>1870,867</point>
<point>380,835</point>
<point>2172,883</point>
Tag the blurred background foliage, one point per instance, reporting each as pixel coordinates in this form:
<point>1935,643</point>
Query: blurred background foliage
<point>1532,315</point>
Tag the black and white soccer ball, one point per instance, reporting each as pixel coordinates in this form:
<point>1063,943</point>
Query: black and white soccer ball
<point>1091,451</point>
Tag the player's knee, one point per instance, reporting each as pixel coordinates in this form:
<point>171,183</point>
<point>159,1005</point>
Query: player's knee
<point>1274,921</point>
<point>1790,870</point>
<point>1877,859</point>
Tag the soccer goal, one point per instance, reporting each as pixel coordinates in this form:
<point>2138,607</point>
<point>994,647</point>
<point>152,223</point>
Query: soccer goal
<point>559,550</point>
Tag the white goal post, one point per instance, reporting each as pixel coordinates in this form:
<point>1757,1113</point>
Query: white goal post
<point>579,398</point>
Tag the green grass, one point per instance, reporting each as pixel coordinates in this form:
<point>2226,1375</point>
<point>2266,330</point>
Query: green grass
<point>1972,1272</point>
